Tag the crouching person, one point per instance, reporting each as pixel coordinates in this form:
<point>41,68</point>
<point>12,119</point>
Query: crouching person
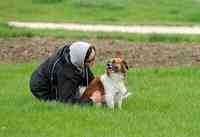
<point>59,77</point>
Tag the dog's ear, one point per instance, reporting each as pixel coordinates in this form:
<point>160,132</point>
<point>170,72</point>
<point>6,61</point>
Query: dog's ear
<point>125,64</point>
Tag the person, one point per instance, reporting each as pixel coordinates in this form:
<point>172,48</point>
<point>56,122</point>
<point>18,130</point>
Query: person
<point>60,75</point>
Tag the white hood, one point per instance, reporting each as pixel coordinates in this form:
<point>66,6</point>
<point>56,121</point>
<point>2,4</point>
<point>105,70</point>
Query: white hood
<point>78,52</point>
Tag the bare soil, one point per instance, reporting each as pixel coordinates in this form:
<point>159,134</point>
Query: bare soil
<point>22,50</point>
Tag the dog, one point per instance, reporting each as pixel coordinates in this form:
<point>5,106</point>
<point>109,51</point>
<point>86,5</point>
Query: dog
<point>111,84</point>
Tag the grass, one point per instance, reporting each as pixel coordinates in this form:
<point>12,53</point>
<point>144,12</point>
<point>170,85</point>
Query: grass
<point>156,12</point>
<point>170,12</point>
<point>6,31</point>
<point>165,103</point>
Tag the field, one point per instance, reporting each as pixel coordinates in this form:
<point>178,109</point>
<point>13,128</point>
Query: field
<point>165,103</point>
<point>163,76</point>
<point>165,98</point>
<point>129,12</point>
<point>171,12</point>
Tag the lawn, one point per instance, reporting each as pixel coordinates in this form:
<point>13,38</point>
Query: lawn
<point>170,12</point>
<point>123,12</point>
<point>165,103</point>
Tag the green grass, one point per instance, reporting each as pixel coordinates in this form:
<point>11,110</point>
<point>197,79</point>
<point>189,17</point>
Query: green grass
<point>165,103</point>
<point>6,31</point>
<point>170,12</point>
<point>156,12</point>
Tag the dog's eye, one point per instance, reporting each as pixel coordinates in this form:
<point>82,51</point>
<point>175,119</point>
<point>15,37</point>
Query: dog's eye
<point>115,68</point>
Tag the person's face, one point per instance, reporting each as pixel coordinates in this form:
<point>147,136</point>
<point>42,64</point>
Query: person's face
<point>91,60</point>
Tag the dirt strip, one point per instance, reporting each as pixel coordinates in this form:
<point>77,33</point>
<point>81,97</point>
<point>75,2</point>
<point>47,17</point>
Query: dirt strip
<point>17,50</point>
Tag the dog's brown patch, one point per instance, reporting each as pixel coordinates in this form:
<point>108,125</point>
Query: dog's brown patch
<point>95,86</point>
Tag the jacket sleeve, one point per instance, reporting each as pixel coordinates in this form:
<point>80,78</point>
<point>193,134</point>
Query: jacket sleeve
<point>69,92</point>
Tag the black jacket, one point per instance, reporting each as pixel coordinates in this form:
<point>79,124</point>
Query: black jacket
<point>58,79</point>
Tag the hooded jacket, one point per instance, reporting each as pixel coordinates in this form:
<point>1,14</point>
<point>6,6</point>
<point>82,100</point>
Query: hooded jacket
<point>59,77</point>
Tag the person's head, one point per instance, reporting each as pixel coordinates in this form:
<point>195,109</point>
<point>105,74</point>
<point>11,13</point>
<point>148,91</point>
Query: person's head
<point>90,56</point>
<point>82,54</point>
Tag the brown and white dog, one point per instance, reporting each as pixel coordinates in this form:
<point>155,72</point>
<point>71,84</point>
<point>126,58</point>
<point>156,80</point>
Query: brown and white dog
<point>111,84</point>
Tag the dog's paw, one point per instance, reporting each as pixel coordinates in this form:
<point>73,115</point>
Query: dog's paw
<point>127,94</point>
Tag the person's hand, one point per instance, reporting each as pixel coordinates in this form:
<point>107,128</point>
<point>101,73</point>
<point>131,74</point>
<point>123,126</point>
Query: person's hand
<point>97,97</point>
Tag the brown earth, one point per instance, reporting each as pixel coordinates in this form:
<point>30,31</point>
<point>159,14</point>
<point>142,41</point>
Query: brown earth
<point>20,50</point>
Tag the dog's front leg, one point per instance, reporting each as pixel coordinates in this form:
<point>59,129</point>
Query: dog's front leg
<point>109,99</point>
<point>119,103</point>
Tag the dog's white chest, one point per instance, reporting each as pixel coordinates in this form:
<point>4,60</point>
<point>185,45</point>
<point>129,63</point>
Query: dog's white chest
<point>112,87</point>
<point>114,90</point>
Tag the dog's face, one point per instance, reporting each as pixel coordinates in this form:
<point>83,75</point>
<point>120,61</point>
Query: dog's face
<point>117,65</point>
